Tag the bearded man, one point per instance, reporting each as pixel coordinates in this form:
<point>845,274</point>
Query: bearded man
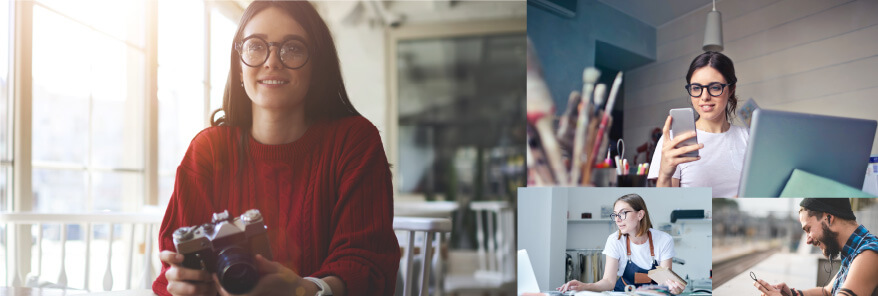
<point>830,225</point>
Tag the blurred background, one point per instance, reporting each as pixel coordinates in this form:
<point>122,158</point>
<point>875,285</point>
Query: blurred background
<point>99,100</point>
<point>764,235</point>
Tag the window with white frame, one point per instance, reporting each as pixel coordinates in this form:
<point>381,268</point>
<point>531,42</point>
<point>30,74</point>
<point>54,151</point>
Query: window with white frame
<point>90,101</point>
<point>88,98</point>
<point>5,112</point>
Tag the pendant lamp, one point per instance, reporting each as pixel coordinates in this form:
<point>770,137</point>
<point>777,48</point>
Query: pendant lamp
<point>713,32</point>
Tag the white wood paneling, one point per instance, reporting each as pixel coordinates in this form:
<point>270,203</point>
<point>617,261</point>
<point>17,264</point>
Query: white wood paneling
<point>816,83</point>
<point>693,23</point>
<point>826,24</point>
<point>808,57</point>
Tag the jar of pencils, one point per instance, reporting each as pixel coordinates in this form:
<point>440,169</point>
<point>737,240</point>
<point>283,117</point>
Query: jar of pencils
<point>631,180</point>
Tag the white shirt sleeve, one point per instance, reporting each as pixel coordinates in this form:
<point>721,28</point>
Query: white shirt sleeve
<point>611,248</point>
<point>655,164</point>
<point>665,246</point>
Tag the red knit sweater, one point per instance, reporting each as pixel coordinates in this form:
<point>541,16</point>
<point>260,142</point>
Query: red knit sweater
<point>326,200</point>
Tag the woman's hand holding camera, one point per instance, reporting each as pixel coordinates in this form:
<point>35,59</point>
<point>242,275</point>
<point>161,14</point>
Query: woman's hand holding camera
<point>186,281</point>
<point>671,154</point>
<point>276,279</point>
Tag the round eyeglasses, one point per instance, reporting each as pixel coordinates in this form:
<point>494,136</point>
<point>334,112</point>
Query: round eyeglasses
<point>621,215</point>
<point>254,52</point>
<point>714,89</point>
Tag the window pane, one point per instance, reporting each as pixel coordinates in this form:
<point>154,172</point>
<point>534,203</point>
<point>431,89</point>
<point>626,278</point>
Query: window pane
<point>116,191</point>
<point>117,105</point>
<point>222,31</point>
<point>4,81</point>
<point>5,192</point>
<point>122,20</point>
<point>61,87</point>
<point>88,83</point>
<point>181,55</point>
<point>59,191</point>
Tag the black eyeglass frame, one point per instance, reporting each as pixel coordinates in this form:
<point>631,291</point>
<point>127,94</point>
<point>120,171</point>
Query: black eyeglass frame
<point>239,46</point>
<point>721,90</point>
<point>622,215</point>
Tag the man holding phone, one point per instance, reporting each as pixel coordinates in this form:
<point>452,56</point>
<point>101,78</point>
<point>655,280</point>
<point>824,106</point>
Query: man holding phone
<point>716,156</point>
<point>831,225</point>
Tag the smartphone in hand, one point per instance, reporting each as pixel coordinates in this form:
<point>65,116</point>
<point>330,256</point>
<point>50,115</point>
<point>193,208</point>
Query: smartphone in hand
<point>684,121</point>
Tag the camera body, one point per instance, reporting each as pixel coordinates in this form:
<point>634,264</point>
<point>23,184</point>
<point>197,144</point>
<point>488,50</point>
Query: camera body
<point>226,247</point>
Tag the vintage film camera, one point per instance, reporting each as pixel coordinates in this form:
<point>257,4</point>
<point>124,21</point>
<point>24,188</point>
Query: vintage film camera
<point>226,247</point>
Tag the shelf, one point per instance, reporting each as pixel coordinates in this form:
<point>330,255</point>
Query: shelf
<point>587,221</point>
<point>683,220</point>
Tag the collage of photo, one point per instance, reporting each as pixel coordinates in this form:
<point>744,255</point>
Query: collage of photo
<point>439,147</point>
<point>700,148</point>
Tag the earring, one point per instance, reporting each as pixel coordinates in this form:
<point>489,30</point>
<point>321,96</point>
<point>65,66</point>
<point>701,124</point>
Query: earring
<point>242,83</point>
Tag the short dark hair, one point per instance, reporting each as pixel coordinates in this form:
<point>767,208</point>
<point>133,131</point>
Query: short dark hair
<point>724,66</point>
<point>326,98</point>
<point>636,202</point>
<point>812,213</point>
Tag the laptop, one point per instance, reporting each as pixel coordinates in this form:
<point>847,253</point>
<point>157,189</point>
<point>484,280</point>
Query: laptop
<point>527,279</point>
<point>836,148</point>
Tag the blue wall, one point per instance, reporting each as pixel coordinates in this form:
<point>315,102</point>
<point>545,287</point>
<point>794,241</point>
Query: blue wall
<point>565,46</point>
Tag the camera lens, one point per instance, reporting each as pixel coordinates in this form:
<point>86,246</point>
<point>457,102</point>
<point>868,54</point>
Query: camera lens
<point>236,271</point>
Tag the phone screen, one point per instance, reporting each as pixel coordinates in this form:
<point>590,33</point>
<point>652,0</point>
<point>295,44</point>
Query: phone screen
<point>684,121</point>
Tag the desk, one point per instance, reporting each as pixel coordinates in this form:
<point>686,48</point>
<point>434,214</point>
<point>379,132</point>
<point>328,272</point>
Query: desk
<point>796,270</point>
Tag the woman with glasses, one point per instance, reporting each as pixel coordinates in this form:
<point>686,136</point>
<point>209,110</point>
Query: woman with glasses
<point>290,144</point>
<point>711,89</point>
<point>632,251</point>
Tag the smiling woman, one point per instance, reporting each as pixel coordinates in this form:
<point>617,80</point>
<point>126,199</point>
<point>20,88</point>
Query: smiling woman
<point>289,144</point>
<point>711,86</point>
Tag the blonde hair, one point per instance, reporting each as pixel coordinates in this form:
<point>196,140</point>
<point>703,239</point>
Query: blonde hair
<point>637,204</point>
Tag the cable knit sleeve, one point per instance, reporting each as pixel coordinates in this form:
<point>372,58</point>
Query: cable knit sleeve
<point>189,204</point>
<point>363,249</point>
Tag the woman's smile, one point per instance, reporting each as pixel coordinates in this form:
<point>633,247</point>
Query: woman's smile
<point>272,81</point>
<point>707,107</point>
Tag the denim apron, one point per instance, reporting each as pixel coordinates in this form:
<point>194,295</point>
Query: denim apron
<point>631,269</point>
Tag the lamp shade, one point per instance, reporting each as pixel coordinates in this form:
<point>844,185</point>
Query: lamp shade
<point>713,33</point>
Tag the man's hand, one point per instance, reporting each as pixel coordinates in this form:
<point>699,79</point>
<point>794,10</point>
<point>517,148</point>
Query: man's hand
<point>784,289</point>
<point>767,289</point>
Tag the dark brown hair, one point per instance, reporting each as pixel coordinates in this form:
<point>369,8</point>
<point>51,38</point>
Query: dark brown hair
<point>724,66</point>
<point>637,204</point>
<point>326,99</point>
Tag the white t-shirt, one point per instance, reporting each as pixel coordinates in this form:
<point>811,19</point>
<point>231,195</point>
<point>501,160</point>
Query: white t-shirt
<point>722,159</point>
<point>663,245</point>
